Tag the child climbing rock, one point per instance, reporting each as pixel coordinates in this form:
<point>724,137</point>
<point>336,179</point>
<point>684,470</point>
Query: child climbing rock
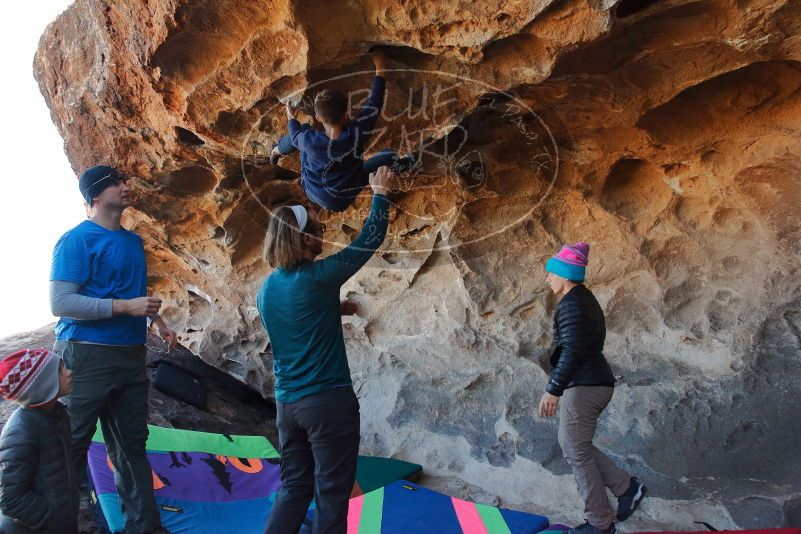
<point>333,170</point>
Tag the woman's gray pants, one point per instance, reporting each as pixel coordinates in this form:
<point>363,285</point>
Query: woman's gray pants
<point>579,410</point>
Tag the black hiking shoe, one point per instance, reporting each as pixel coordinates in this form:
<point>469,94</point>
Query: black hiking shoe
<point>629,501</point>
<point>586,528</point>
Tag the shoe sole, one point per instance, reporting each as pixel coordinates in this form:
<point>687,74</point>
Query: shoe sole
<point>637,500</point>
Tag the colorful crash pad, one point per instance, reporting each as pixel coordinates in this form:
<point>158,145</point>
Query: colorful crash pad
<point>403,507</point>
<point>174,439</point>
<point>754,531</point>
<point>196,491</point>
<point>214,483</point>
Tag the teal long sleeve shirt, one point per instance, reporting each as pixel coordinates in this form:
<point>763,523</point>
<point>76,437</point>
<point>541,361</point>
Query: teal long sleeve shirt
<point>300,309</point>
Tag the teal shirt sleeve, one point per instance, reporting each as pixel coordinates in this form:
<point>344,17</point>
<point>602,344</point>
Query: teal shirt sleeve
<point>337,268</point>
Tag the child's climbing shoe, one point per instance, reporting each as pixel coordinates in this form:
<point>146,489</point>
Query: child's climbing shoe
<point>629,501</point>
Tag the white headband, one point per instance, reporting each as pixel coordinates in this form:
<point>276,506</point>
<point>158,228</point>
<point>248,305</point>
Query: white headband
<point>301,215</point>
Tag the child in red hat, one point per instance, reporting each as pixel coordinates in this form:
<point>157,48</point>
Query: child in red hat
<point>38,488</point>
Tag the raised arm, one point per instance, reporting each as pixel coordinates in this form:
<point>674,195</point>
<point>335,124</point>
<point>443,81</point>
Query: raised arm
<point>368,117</point>
<point>337,268</point>
<point>294,126</point>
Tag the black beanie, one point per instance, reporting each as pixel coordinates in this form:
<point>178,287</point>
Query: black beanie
<point>96,179</point>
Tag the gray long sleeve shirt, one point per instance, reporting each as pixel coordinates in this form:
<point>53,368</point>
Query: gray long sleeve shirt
<point>65,301</point>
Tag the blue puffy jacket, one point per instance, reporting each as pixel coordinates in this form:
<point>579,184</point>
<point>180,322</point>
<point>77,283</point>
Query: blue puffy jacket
<point>38,486</point>
<point>579,331</point>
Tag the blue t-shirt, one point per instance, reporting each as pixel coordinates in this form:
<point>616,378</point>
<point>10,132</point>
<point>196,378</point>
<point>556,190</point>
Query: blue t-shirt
<point>108,264</point>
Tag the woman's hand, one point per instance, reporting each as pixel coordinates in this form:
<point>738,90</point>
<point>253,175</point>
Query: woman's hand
<point>381,181</point>
<point>548,405</point>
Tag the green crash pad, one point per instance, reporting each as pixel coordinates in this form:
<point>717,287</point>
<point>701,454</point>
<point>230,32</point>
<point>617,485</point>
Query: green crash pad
<point>176,440</point>
<point>373,472</point>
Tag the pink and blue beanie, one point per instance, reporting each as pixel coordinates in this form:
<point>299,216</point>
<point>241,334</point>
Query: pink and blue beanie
<point>570,262</point>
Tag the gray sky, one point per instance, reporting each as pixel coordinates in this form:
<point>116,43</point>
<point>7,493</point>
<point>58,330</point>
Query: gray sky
<point>39,198</point>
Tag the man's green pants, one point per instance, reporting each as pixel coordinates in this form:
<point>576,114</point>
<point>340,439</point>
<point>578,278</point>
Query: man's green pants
<point>110,383</point>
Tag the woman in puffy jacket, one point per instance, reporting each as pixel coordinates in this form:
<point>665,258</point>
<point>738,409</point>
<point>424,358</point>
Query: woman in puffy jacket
<point>582,379</point>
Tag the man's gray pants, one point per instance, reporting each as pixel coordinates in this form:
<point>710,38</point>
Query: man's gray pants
<point>110,383</point>
<point>579,410</point>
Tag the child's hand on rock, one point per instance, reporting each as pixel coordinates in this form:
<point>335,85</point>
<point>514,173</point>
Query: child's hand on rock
<point>380,60</point>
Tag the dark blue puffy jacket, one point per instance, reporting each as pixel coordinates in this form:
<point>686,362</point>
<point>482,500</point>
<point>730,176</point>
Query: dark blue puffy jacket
<point>579,331</point>
<point>38,486</point>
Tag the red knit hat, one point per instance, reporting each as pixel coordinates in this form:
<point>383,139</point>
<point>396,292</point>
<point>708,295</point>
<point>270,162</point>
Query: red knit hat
<point>30,376</point>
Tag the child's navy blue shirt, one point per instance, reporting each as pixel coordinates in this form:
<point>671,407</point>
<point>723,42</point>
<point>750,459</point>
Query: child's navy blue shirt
<point>332,168</point>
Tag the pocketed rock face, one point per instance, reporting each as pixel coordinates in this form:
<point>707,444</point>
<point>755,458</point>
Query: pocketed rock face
<point>665,133</point>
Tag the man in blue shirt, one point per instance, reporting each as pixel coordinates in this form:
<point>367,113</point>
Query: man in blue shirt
<point>333,170</point>
<point>98,286</point>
